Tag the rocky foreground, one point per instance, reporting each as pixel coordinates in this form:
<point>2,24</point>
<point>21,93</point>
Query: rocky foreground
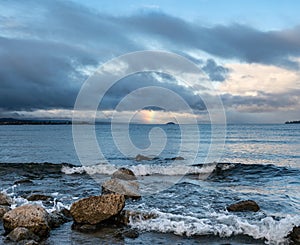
<point>31,224</point>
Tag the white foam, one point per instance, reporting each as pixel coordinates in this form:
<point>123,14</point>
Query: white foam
<point>142,169</point>
<point>274,232</point>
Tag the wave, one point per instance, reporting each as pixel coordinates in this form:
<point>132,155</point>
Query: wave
<point>217,171</point>
<point>220,224</point>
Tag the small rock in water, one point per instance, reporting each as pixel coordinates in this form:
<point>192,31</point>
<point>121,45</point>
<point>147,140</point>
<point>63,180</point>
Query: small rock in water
<point>244,206</point>
<point>57,218</point>
<point>85,228</point>
<point>3,210</point>
<point>20,234</point>
<point>139,158</point>
<point>295,235</point>
<point>124,174</point>
<point>23,181</point>
<point>5,200</point>
<point>39,197</point>
<point>95,209</point>
<point>33,217</point>
<point>130,189</point>
<point>126,215</point>
<point>131,234</point>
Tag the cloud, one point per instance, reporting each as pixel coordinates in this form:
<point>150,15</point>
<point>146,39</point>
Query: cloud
<point>47,46</point>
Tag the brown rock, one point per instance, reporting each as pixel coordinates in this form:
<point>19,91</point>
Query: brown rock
<point>3,210</point>
<point>33,217</point>
<point>93,210</point>
<point>295,235</point>
<point>139,158</point>
<point>124,173</point>
<point>5,200</point>
<point>21,233</point>
<point>38,197</point>
<point>130,189</point>
<point>244,206</point>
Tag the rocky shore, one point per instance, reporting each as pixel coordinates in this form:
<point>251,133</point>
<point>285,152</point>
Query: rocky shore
<point>32,224</point>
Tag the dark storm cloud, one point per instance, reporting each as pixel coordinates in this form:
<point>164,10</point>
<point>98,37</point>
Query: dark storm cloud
<point>46,45</point>
<point>215,71</point>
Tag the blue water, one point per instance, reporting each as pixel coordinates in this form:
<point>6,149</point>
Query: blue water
<point>258,162</point>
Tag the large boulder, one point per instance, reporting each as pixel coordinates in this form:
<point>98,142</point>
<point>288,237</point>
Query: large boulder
<point>243,206</point>
<point>5,200</point>
<point>3,210</point>
<point>294,235</point>
<point>33,217</point>
<point>130,189</point>
<point>95,209</point>
<point>124,173</point>
<point>21,233</point>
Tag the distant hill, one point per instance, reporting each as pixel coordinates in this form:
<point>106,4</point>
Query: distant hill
<point>13,121</point>
<point>292,122</point>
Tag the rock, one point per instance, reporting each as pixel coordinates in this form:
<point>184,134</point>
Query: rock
<point>33,217</point>
<point>20,234</point>
<point>5,199</point>
<point>126,216</point>
<point>39,197</point>
<point>57,218</point>
<point>294,235</point>
<point>23,181</point>
<point>175,158</point>
<point>3,210</point>
<point>124,173</point>
<point>131,234</point>
<point>85,228</point>
<point>243,206</point>
<point>130,189</point>
<point>93,210</point>
<point>139,158</point>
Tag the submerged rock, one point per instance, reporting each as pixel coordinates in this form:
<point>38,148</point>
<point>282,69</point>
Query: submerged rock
<point>39,197</point>
<point>58,218</point>
<point>33,217</point>
<point>139,158</point>
<point>243,206</point>
<point>22,233</point>
<point>23,181</point>
<point>3,210</point>
<point>131,234</point>
<point>95,209</point>
<point>130,189</point>
<point>294,235</point>
<point>126,216</point>
<point>124,174</point>
<point>5,200</point>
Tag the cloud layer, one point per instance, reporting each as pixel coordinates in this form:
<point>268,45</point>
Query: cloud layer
<point>48,48</point>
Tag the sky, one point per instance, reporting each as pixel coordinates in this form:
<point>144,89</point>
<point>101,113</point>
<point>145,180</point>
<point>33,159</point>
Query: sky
<point>249,51</point>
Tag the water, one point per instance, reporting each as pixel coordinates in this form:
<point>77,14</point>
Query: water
<point>259,162</point>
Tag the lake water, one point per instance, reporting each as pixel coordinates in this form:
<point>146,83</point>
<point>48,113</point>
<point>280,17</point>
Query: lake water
<point>258,162</point>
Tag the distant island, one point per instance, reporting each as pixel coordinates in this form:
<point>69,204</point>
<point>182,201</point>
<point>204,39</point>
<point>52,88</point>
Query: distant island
<point>292,122</point>
<point>170,123</point>
<point>13,121</point>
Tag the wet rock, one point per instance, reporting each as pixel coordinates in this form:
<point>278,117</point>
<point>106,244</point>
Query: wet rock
<point>57,218</point>
<point>124,174</point>
<point>3,210</point>
<point>39,197</point>
<point>294,235</point>
<point>130,189</point>
<point>5,200</point>
<point>85,228</point>
<point>23,181</point>
<point>175,158</point>
<point>20,234</point>
<point>33,217</point>
<point>131,234</point>
<point>139,158</point>
<point>93,210</point>
<point>126,216</point>
<point>244,206</point>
